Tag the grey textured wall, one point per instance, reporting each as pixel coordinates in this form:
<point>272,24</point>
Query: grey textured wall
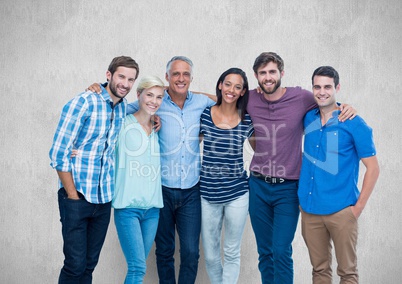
<point>52,50</point>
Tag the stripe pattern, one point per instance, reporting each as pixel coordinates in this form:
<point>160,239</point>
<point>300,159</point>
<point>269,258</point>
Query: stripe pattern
<point>223,177</point>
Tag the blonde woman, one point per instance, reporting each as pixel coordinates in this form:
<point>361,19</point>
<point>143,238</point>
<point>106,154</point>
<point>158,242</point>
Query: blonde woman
<point>138,195</point>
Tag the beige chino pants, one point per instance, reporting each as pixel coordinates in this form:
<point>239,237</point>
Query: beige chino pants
<point>318,231</point>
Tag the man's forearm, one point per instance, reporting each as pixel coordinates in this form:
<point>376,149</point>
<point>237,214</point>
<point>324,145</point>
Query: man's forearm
<point>66,179</point>
<point>369,181</point>
<point>212,97</point>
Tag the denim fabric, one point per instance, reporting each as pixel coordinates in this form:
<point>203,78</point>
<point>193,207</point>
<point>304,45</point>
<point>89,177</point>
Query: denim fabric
<point>84,227</point>
<point>136,229</point>
<point>274,212</point>
<point>232,216</point>
<point>182,210</point>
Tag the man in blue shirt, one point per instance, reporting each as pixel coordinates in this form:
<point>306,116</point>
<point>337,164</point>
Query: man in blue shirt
<point>180,115</point>
<point>329,198</point>
<point>89,123</point>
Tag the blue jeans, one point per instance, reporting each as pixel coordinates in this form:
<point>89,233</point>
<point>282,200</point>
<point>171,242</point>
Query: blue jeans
<point>274,212</point>
<point>181,211</point>
<point>84,227</point>
<point>136,229</point>
<point>233,215</point>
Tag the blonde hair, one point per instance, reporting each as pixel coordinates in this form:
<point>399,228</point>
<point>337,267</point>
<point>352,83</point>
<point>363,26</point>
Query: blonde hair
<point>149,82</point>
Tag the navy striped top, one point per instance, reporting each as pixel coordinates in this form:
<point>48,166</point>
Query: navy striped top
<point>223,177</point>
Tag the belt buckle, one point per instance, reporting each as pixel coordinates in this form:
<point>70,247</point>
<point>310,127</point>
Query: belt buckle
<point>274,180</point>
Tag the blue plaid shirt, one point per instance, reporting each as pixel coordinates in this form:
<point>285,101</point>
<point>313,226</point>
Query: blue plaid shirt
<point>90,124</point>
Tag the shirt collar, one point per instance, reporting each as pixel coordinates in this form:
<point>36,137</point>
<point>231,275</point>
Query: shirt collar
<point>334,118</point>
<point>335,113</point>
<point>106,97</point>
<point>167,96</point>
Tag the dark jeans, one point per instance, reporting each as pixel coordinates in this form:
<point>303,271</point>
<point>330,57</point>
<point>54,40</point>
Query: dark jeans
<point>181,211</point>
<point>84,227</point>
<point>274,212</point>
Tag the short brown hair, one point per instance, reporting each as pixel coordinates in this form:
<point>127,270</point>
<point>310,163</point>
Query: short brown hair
<point>266,57</point>
<point>124,61</point>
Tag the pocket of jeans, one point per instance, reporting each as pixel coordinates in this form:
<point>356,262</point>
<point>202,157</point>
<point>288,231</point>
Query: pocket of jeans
<point>62,192</point>
<point>73,200</point>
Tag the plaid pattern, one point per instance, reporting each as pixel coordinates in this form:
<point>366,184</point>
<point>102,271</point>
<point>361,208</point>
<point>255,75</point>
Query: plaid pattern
<point>90,124</point>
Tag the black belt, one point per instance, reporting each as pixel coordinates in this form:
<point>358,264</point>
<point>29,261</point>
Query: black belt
<point>269,179</point>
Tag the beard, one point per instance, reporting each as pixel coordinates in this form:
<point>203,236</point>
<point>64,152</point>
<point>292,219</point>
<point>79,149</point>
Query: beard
<point>272,89</point>
<point>113,89</point>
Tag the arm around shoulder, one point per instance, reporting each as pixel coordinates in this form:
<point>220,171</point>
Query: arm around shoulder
<point>347,112</point>
<point>252,141</point>
<point>132,107</point>
<point>212,97</point>
<point>95,88</point>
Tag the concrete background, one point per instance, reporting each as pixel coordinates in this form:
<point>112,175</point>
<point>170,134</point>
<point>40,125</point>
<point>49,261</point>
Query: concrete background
<point>52,50</point>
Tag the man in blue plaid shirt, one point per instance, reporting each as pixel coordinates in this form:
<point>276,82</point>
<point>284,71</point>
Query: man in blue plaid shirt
<point>90,124</point>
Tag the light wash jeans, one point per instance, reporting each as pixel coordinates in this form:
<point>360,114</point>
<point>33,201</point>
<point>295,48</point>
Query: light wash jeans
<point>136,229</point>
<point>233,215</point>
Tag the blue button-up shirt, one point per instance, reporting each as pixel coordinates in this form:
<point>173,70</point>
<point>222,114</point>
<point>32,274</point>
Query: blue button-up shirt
<point>90,124</point>
<point>330,167</point>
<point>179,139</point>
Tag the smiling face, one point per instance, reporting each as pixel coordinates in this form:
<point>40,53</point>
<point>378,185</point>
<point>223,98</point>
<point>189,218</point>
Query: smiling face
<point>232,88</point>
<point>150,99</point>
<point>179,77</point>
<point>269,78</point>
<point>324,91</point>
<point>121,82</point>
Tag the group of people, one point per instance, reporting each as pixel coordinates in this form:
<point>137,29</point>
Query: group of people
<point>108,154</point>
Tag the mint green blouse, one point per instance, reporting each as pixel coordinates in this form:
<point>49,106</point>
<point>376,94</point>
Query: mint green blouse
<point>138,170</point>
